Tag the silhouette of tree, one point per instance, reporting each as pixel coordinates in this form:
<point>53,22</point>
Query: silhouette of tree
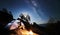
<point>5,18</point>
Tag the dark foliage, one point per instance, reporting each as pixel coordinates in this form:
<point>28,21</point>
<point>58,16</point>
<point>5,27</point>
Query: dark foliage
<point>53,28</point>
<point>5,18</point>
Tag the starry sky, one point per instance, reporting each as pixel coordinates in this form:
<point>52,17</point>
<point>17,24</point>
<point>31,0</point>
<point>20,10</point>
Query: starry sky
<point>39,10</point>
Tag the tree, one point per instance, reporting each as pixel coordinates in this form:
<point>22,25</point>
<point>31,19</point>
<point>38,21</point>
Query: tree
<point>5,18</point>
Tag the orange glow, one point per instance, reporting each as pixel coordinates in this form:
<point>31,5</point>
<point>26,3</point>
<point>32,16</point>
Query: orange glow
<point>30,32</point>
<point>25,32</point>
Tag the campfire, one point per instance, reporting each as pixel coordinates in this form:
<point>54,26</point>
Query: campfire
<point>25,32</point>
<point>21,30</point>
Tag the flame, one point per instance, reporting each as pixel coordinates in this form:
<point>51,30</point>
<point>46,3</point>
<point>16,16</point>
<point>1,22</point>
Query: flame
<point>25,32</point>
<point>30,32</point>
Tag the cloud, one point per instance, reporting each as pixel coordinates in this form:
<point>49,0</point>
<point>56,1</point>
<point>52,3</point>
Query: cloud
<point>34,3</point>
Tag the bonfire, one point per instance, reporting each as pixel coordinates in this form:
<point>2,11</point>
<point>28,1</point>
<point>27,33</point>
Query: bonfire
<point>24,31</point>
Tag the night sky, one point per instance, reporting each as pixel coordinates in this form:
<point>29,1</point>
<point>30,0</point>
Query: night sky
<point>39,10</point>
